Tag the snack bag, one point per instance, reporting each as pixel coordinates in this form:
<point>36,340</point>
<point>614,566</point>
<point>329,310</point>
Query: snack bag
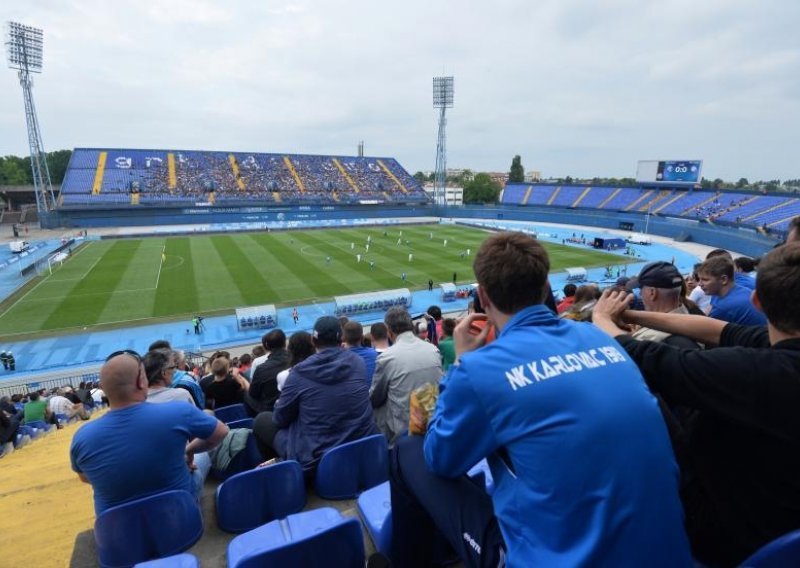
<point>421,402</point>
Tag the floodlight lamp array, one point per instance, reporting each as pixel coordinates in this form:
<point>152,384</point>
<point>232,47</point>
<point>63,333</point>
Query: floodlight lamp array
<point>24,46</point>
<point>443,92</point>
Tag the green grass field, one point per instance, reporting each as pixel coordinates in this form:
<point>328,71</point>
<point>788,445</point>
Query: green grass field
<point>116,281</point>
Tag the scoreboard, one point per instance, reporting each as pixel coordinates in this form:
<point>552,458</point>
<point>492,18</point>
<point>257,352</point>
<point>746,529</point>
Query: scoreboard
<point>669,172</point>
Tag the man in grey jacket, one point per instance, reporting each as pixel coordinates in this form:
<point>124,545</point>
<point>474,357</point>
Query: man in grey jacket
<point>407,365</point>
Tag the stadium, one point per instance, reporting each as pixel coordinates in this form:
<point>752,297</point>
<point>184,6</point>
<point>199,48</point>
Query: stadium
<point>210,250</point>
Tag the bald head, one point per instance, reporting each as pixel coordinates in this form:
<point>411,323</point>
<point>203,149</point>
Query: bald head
<point>123,381</point>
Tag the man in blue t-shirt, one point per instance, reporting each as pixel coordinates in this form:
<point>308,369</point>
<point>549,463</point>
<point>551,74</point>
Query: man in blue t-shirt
<point>739,277</point>
<point>139,449</point>
<point>729,301</point>
<point>353,338</point>
<point>583,469</point>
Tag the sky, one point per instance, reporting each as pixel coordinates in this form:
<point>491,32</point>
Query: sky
<point>575,87</point>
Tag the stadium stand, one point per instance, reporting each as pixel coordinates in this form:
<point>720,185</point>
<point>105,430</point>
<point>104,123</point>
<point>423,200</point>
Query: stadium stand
<point>97,177</point>
<point>756,210</point>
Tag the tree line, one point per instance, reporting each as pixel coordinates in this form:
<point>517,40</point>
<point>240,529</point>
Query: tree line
<point>17,171</point>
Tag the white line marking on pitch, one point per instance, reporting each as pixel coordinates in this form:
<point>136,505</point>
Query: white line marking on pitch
<point>161,263</point>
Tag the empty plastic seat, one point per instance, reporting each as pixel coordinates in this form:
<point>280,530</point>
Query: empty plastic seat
<point>346,470</point>
<point>230,413</point>
<point>184,560</point>
<point>321,537</point>
<point>252,498</point>
<point>783,552</point>
<point>145,529</point>
<point>375,508</point>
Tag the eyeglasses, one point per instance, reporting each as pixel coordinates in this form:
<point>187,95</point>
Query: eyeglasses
<point>130,352</point>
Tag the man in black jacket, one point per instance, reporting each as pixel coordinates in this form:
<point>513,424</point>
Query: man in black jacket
<point>263,391</point>
<point>741,458</point>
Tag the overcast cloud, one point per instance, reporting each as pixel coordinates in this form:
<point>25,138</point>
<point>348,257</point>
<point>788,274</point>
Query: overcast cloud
<point>577,88</point>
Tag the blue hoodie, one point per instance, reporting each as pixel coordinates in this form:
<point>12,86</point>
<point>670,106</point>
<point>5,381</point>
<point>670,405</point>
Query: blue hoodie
<point>583,468</point>
<point>324,403</point>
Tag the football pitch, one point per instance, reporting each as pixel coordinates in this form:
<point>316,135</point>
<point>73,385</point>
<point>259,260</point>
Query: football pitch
<point>113,282</point>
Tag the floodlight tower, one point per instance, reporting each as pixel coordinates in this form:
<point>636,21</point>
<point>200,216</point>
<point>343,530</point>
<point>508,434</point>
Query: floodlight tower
<point>24,49</point>
<point>442,99</point>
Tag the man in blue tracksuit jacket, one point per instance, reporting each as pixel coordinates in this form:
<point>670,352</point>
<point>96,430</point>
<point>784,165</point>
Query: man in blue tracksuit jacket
<point>582,464</point>
<point>324,403</point>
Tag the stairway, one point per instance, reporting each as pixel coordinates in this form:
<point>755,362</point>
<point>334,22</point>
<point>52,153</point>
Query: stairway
<point>236,173</point>
<point>527,195</point>
<point>392,176</point>
<point>98,174</point>
<point>608,199</point>
<point>637,201</point>
<point>172,178</point>
<point>554,195</point>
<point>344,173</point>
<point>649,205</point>
<point>668,202</point>
<point>581,197</point>
<point>295,175</point>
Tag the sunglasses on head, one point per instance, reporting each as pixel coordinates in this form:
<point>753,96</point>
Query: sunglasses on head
<point>130,352</point>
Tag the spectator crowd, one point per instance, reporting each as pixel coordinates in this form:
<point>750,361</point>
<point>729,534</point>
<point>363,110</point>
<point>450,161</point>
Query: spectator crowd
<point>288,179</point>
<point>644,424</point>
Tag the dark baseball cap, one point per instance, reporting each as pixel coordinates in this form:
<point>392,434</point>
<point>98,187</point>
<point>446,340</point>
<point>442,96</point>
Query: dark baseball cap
<point>328,330</point>
<point>659,274</point>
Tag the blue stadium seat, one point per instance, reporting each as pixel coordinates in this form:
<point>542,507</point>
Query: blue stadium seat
<point>350,468</point>
<point>245,460</point>
<point>241,423</point>
<point>375,508</point>
<point>783,552</point>
<point>145,529</point>
<point>21,440</point>
<point>184,560</point>
<point>230,413</point>
<point>482,469</point>
<point>252,498</point>
<point>40,425</point>
<point>320,537</point>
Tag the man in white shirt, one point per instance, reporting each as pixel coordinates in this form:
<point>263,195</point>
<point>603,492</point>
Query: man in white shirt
<point>263,358</point>
<point>59,404</point>
<point>407,365</point>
